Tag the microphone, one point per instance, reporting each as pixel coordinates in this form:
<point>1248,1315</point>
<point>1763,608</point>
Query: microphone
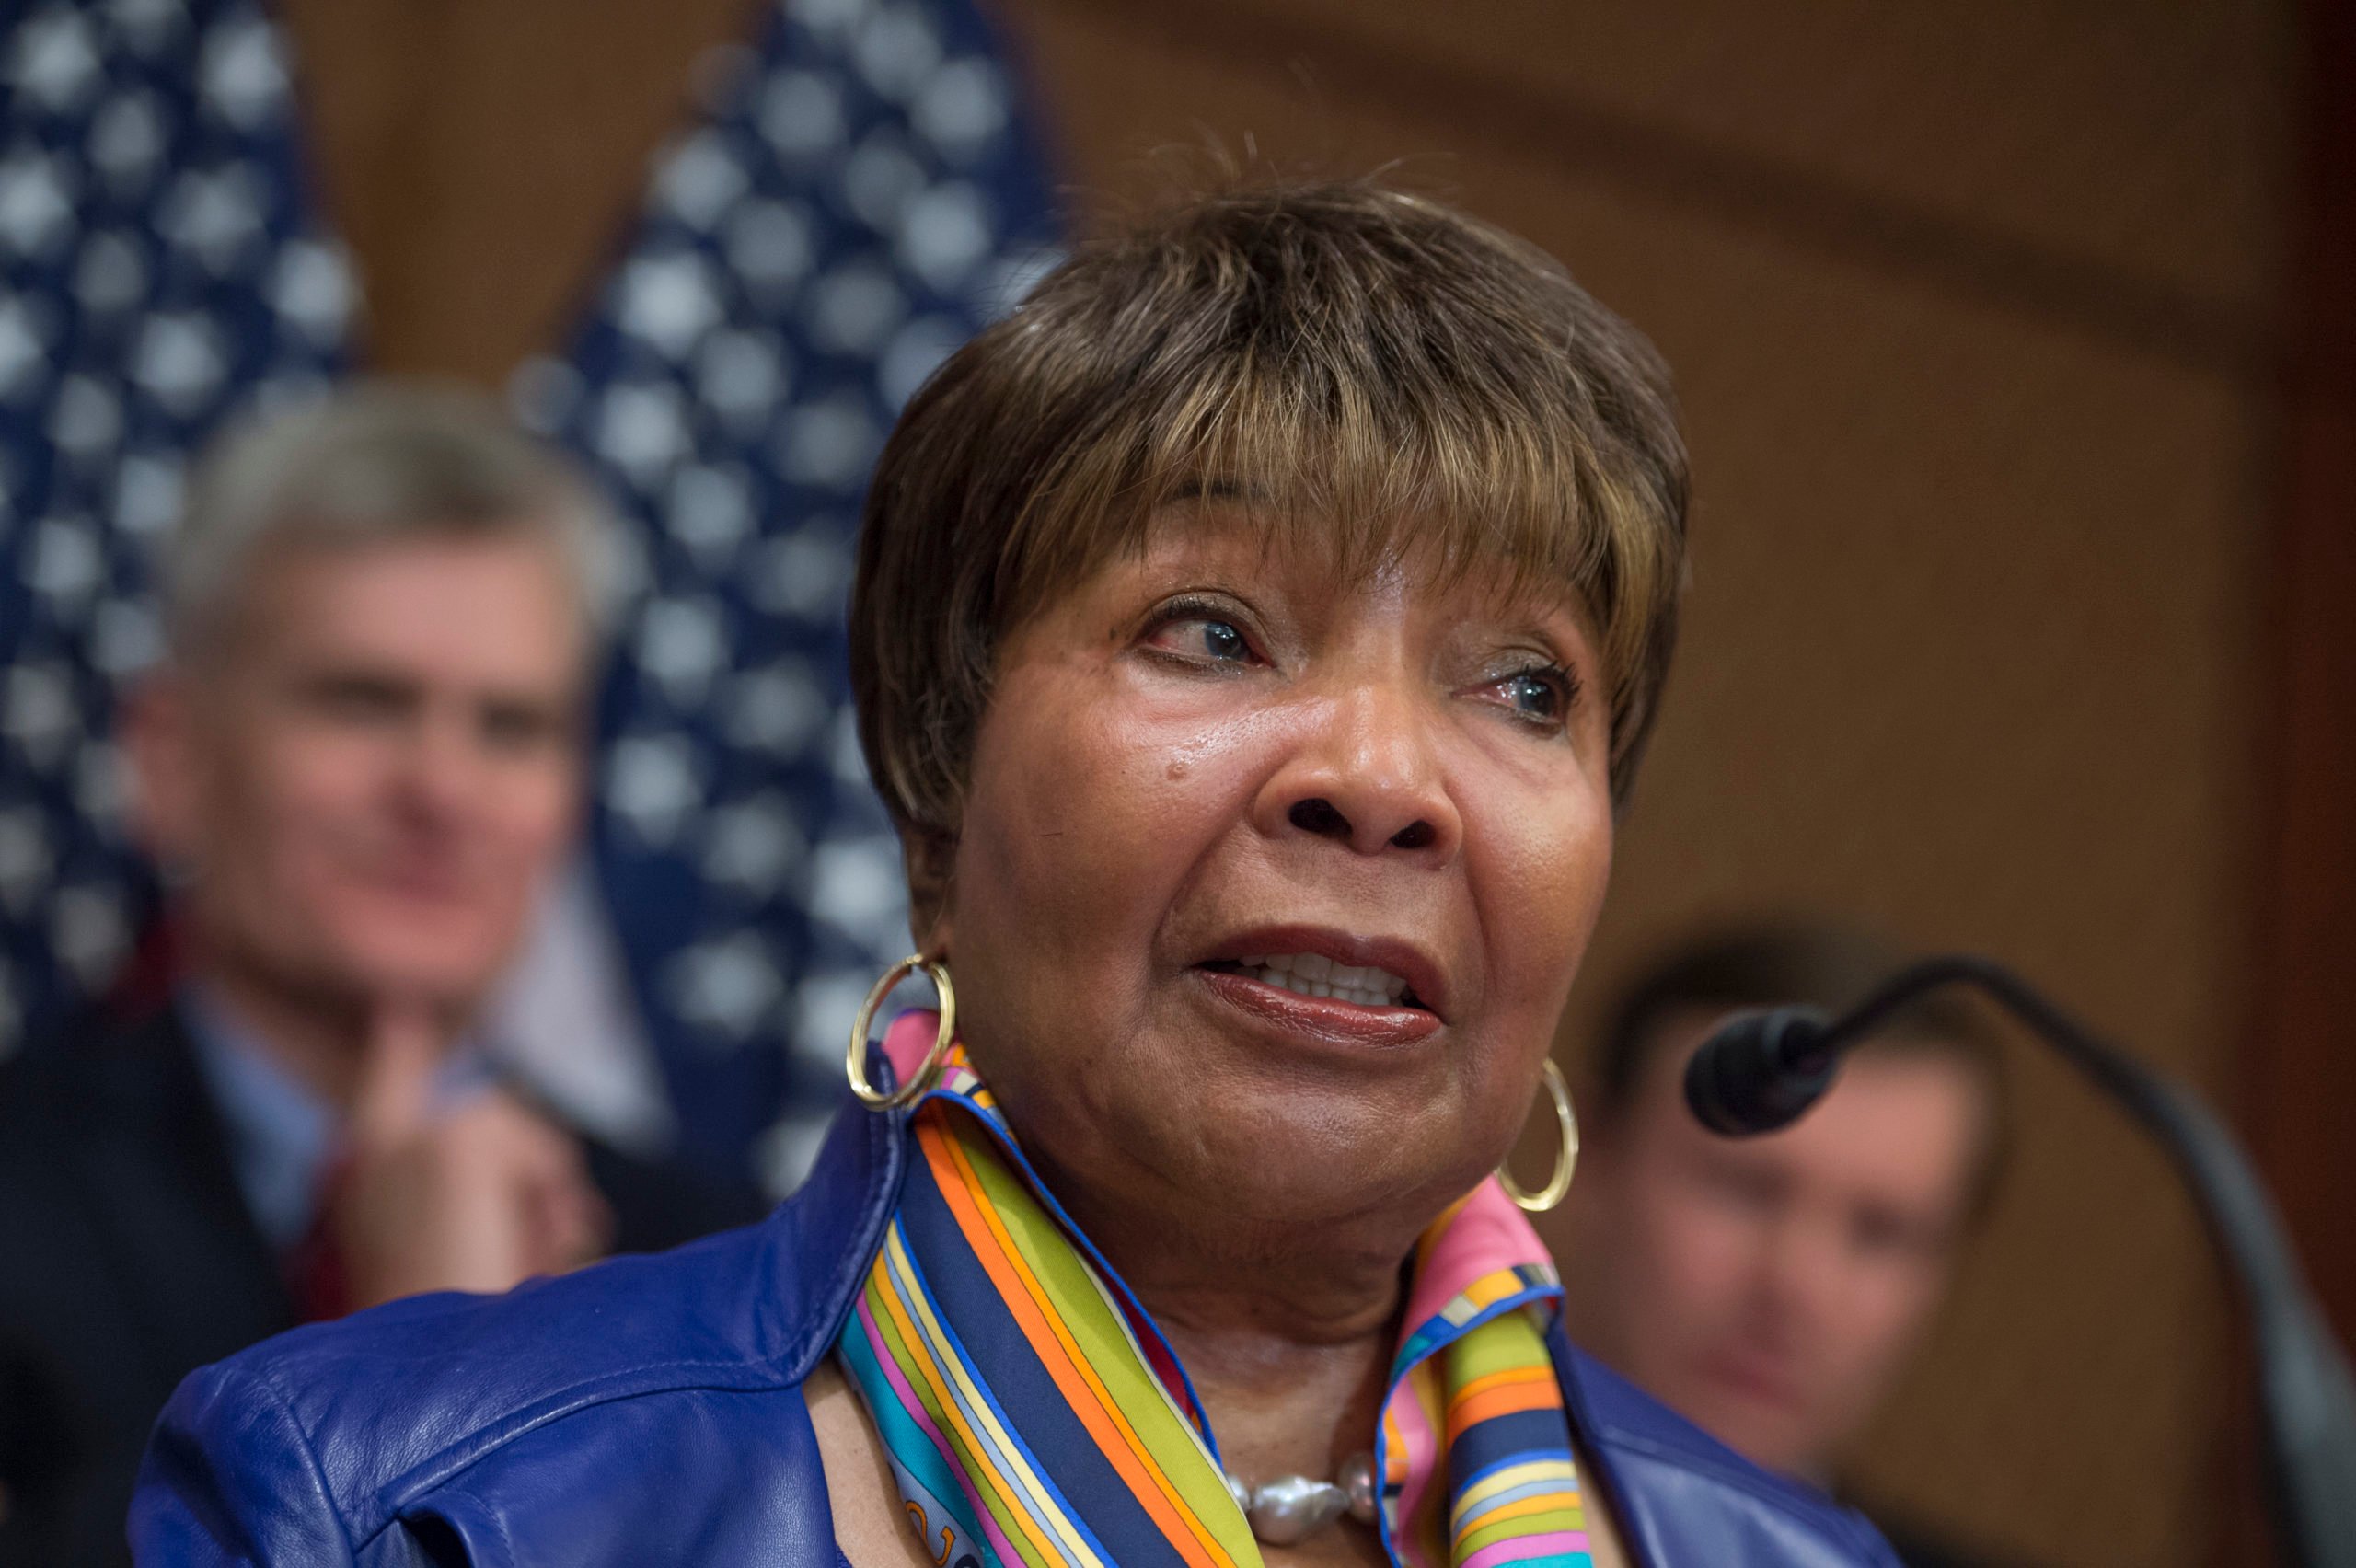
<point>1762,1070</point>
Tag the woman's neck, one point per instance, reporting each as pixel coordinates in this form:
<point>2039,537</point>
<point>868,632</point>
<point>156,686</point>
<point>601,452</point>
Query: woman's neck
<point>1284,1396</point>
<point>1287,1340</point>
<point>1292,1367</point>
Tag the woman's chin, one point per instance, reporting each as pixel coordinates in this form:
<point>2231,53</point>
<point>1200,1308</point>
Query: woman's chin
<point>1290,1155</point>
<point>1329,1189</point>
<point>1269,1110</point>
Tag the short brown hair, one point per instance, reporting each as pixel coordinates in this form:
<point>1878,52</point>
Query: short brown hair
<point>1355,360</point>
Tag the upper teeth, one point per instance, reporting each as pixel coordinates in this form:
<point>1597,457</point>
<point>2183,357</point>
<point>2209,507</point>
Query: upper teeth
<point>1315,975</point>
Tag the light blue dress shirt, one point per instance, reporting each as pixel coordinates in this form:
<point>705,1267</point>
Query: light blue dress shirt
<point>282,1133</point>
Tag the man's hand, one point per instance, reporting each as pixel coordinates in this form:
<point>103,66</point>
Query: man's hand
<point>480,1197</point>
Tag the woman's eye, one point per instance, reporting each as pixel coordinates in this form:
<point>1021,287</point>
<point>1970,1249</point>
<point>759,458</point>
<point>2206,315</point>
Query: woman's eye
<point>1541,695</point>
<point>1203,637</point>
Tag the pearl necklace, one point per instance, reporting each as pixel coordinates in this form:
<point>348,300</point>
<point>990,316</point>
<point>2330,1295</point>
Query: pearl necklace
<point>1288,1509</point>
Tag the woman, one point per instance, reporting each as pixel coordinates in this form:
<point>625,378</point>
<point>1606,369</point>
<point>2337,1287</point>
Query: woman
<point>1253,634</point>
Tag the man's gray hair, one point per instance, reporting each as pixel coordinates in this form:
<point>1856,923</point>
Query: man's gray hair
<point>377,463</point>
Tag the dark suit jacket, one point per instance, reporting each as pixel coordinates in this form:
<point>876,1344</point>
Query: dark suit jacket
<point>128,1260</point>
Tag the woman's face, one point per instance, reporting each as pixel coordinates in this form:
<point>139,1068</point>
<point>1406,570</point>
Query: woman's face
<point>1215,761</point>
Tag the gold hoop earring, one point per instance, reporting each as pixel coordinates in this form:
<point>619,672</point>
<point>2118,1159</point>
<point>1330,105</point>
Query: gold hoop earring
<point>855,1065</point>
<point>1564,1163</point>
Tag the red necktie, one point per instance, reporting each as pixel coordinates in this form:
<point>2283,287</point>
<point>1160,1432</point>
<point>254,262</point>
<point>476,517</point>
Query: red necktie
<point>316,1275</point>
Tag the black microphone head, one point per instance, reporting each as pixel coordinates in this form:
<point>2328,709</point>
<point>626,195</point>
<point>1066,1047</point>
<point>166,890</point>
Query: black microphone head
<point>1759,1071</point>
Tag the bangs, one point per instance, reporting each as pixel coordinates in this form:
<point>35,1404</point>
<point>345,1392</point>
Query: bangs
<point>1455,488</point>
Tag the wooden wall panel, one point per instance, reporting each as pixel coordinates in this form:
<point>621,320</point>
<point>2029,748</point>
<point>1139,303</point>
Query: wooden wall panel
<point>2301,1070</point>
<point>2145,140</point>
<point>483,157</point>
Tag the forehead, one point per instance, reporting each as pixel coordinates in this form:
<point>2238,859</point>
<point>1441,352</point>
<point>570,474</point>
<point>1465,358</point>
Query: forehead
<point>491,611</point>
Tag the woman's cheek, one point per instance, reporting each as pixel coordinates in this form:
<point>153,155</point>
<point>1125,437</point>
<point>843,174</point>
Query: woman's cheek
<point>1086,792</point>
<point>1548,863</point>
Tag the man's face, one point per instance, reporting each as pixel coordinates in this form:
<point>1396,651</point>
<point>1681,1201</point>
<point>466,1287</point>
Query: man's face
<point>368,777</point>
<point>1768,1289</point>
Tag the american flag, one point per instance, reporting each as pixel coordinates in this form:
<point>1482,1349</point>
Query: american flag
<point>161,267</point>
<point>859,194</point>
<point>860,198</point>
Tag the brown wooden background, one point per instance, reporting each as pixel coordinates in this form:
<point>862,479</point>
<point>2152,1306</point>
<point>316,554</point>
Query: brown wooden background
<point>2021,614</point>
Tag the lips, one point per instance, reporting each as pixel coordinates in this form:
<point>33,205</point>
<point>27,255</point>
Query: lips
<point>1323,964</point>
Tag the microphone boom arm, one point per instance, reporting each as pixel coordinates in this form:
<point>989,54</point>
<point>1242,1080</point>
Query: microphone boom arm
<point>2306,1399</point>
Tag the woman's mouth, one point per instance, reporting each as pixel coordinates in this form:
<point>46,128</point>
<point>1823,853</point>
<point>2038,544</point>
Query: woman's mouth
<point>1347,1006</point>
<point>1315,975</point>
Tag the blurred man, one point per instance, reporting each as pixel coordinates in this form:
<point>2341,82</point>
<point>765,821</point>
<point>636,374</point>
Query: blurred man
<point>1770,1288</point>
<point>358,771</point>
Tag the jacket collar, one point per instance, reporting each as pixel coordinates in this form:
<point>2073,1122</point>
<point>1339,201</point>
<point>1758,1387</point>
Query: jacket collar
<point>823,1239</point>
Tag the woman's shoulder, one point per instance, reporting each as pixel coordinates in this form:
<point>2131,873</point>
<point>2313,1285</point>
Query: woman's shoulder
<point>1680,1496</point>
<point>653,1376</point>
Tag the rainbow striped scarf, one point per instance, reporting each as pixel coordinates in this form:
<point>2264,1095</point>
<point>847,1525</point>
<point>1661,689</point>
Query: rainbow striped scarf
<point>1036,1418</point>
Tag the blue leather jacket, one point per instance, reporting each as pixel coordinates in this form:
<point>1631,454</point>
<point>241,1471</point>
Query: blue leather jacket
<point>649,1410</point>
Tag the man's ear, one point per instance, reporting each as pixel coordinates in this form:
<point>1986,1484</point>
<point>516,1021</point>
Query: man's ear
<point>932,859</point>
<point>156,728</point>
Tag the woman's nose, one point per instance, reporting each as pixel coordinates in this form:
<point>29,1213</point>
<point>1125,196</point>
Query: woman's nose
<point>1367,774</point>
<point>1321,816</point>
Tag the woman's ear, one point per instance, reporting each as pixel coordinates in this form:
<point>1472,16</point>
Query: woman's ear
<point>932,859</point>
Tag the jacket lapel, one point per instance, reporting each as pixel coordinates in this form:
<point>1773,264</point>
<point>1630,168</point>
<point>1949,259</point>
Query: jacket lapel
<point>1599,1475</point>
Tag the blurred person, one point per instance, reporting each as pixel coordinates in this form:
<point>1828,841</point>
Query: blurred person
<point>358,769</point>
<point>1253,634</point>
<point>1772,1287</point>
